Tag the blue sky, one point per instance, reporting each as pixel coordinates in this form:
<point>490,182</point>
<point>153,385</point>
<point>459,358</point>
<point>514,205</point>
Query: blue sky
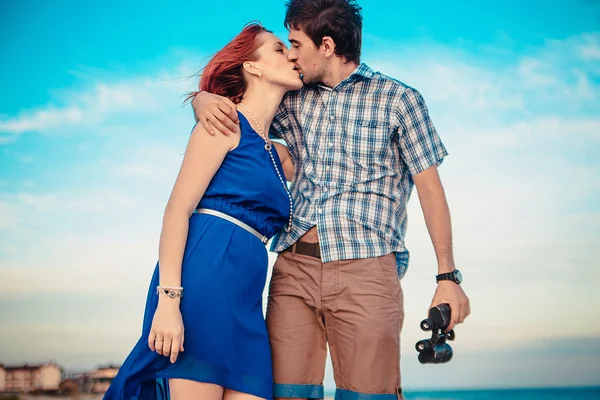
<point>92,131</point>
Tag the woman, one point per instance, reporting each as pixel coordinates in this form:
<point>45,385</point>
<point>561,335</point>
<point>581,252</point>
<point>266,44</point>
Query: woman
<point>210,342</point>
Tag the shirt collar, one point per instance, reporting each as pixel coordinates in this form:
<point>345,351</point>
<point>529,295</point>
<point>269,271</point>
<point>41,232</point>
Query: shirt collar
<point>362,71</point>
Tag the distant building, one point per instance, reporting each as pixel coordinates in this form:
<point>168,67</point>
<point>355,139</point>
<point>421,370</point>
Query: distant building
<point>82,379</point>
<point>69,387</point>
<point>102,377</point>
<point>28,378</point>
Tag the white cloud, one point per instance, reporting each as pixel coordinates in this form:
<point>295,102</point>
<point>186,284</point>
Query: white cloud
<point>7,218</point>
<point>453,83</point>
<point>530,71</point>
<point>100,102</point>
<point>558,79</point>
<point>43,119</point>
<point>589,46</point>
<point>565,138</point>
<point>152,161</point>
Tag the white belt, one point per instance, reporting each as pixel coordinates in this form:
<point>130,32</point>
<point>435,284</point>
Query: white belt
<point>229,218</point>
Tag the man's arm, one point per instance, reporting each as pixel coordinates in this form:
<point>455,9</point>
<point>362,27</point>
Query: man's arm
<point>215,113</point>
<point>437,218</point>
<point>286,161</point>
<point>422,151</point>
<point>218,114</point>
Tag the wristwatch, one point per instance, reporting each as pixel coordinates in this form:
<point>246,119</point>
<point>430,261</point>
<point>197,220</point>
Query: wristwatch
<point>454,276</point>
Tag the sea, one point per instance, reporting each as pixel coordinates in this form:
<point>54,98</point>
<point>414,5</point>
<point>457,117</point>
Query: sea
<point>583,393</point>
<point>579,393</point>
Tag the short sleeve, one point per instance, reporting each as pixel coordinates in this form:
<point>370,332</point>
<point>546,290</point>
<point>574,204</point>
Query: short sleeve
<point>420,144</point>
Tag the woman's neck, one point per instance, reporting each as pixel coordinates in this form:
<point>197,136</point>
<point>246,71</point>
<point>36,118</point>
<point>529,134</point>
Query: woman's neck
<point>262,105</point>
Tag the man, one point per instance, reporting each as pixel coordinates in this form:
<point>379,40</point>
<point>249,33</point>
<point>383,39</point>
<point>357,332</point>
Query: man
<point>360,141</point>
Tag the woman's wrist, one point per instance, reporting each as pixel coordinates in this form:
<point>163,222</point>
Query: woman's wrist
<point>169,302</point>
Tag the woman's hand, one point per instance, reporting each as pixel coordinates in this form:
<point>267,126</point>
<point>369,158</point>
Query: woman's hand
<point>166,335</point>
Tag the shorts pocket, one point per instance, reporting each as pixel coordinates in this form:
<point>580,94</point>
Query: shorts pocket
<point>388,272</point>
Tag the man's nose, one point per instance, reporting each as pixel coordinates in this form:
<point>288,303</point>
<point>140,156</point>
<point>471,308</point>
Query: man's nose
<point>292,55</point>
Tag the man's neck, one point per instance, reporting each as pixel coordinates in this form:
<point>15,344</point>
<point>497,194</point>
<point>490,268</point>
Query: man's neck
<point>338,71</point>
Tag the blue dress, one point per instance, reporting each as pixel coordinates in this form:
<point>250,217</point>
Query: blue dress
<point>224,272</point>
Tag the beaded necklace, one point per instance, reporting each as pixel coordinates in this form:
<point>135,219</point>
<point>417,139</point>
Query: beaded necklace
<point>269,147</point>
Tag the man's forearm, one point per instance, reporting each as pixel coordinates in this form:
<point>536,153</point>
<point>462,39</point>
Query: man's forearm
<point>437,218</point>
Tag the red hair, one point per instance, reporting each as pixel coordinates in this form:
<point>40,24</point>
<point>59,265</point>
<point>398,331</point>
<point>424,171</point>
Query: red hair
<point>223,75</point>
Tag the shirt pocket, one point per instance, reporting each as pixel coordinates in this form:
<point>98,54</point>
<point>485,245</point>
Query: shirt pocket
<point>366,145</point>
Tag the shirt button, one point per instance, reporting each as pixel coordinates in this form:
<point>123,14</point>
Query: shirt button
<point>330,144</point>
<point>331,117</point>
<point>319,210</point>
<point>327,168</point>
<point>325,188</point>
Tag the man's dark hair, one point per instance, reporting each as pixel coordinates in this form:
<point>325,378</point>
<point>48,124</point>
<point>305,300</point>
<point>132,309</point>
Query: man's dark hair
<point>339,19</point>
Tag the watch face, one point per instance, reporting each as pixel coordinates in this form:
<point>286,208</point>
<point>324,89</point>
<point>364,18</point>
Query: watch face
<point>458,276</point>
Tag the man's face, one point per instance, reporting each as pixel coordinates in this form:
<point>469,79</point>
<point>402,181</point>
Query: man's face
<point>306,56</point>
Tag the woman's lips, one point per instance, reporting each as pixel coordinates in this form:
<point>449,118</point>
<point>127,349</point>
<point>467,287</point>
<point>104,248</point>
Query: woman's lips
<point>300,74</point>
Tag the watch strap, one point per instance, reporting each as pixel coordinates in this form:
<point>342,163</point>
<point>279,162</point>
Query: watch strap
<point>447,276</point>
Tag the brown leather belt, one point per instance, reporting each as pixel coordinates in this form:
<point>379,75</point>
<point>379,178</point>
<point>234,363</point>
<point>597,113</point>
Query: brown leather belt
<point>306,249</point>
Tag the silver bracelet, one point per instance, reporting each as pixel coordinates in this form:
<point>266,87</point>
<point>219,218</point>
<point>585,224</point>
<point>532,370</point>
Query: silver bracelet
<point>170,291</point>
<point>169,287</point>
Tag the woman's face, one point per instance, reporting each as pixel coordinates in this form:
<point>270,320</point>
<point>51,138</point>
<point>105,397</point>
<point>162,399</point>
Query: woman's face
<point>274,65</point>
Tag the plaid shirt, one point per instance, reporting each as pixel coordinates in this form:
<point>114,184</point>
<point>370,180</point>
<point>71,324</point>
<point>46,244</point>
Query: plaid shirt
<point>355,149</point>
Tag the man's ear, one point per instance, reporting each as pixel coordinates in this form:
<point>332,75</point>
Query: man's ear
<point>328,46</point>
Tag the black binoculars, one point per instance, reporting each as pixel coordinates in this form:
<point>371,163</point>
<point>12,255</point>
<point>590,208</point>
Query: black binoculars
<point>436,350</point>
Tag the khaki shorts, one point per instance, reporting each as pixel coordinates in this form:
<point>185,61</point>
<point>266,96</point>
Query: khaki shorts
<point>355,306</point>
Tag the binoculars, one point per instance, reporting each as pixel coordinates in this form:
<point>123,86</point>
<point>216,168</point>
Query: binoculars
<point>436,350</point>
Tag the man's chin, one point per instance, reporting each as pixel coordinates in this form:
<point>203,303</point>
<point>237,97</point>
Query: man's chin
<point>307,79</point>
